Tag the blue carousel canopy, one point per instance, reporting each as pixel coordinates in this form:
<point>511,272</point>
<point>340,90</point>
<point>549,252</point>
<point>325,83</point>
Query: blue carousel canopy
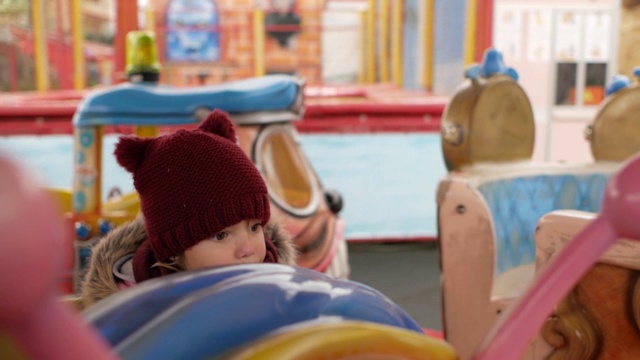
<point>152,104</point>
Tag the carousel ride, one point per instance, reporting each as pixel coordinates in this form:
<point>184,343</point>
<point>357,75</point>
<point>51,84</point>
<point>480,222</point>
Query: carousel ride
<point>262,109</point>
<point>567,291</point>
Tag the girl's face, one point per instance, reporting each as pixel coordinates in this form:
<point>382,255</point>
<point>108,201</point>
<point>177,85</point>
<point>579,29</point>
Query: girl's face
<point>242,243</point>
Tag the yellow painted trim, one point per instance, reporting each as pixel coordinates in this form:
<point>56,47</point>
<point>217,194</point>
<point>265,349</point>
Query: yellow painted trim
<point>362,71</point>
<point>258,42</point>
<point>396,41</point>
<point>348,340</point>
<point>98,162</point>
<point>150,16</point>
<point>146,131</point>
<point>371,42</point>
<point>470,32</point>
<point>384,41</point>
<point>79,67</point>
<point>40,46</point>
<point>428,44</point>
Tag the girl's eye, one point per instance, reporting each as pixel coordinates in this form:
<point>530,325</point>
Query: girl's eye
<point>221,235</point>
<point>255,227</point>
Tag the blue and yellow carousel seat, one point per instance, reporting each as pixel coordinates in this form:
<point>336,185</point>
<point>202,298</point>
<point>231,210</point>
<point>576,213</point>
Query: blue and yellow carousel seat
<point>207,313</point>
<point>323,339</point>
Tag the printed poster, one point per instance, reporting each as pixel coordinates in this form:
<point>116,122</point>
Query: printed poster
<point>539,24</point>
<point>193,32</point>
<point>568,37</point>
<point>597,37</point>
<point>508,33</point>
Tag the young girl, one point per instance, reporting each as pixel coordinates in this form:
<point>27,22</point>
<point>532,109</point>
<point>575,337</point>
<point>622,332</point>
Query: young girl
<point>203,202</point>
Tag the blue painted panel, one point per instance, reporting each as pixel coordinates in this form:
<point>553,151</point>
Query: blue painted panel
<point>411,56</point>
<point>517,205</point>
<point>192,31</point>
<point>449,40</point>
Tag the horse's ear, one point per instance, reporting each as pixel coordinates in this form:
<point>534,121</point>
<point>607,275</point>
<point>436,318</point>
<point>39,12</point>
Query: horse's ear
<point>219,123</point>
<point>130,151</point>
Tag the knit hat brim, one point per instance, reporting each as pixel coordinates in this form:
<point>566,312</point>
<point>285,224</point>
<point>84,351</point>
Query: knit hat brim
<point>208,223</point>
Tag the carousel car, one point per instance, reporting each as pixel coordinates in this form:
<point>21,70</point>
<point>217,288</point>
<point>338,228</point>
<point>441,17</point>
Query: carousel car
<point>262,109</point>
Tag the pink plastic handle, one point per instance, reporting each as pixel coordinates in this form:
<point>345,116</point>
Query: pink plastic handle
<point>31,258</point>
<point>618,218</point>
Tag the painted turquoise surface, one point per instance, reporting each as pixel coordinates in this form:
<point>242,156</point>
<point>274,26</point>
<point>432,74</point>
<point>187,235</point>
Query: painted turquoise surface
<point>449,40</point>
<point>388,181</point>
<point>517,204</point>
<point>410,46</point>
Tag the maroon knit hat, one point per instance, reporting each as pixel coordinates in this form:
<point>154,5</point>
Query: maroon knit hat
<point>192,184</point>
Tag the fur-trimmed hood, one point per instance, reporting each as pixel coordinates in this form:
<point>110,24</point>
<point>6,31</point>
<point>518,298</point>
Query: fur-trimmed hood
<point>100,282</point>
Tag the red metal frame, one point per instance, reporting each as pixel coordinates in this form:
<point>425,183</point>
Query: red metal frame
<point>484,37</point>
<point>354,109</point>
<point>59,53</point>
<point>126,20</point>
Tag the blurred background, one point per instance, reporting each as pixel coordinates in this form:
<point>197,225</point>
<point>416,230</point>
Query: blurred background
<point>207,41</point>
<point>402,53</point>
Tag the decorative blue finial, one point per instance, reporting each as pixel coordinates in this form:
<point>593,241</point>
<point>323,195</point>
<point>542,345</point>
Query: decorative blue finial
<point>492,63</point>
<point>618,82</point>
<point>472,72</point>
<point>513,73</point>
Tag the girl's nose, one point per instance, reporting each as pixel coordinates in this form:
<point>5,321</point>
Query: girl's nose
<point>245,247</point>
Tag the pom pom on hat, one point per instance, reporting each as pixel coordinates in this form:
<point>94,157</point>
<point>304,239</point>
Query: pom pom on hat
<point>130,152</point>
<point>192,184</point>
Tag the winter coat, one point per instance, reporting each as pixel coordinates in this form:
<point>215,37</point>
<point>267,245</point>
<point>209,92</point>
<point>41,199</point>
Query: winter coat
<point>101,280</point>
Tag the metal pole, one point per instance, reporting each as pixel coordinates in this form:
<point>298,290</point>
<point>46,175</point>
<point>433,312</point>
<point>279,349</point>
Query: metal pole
<point>396,42</point>
<point>258,42</point>
<point>126,20</point>
<point>470,32</point>
<point>362,73</point>
<point>384,41</point>
<point>40,46</point>
<point>428,45</point>
<point>150,16</point>
<point>79,67</point>
<point>371,42</point>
